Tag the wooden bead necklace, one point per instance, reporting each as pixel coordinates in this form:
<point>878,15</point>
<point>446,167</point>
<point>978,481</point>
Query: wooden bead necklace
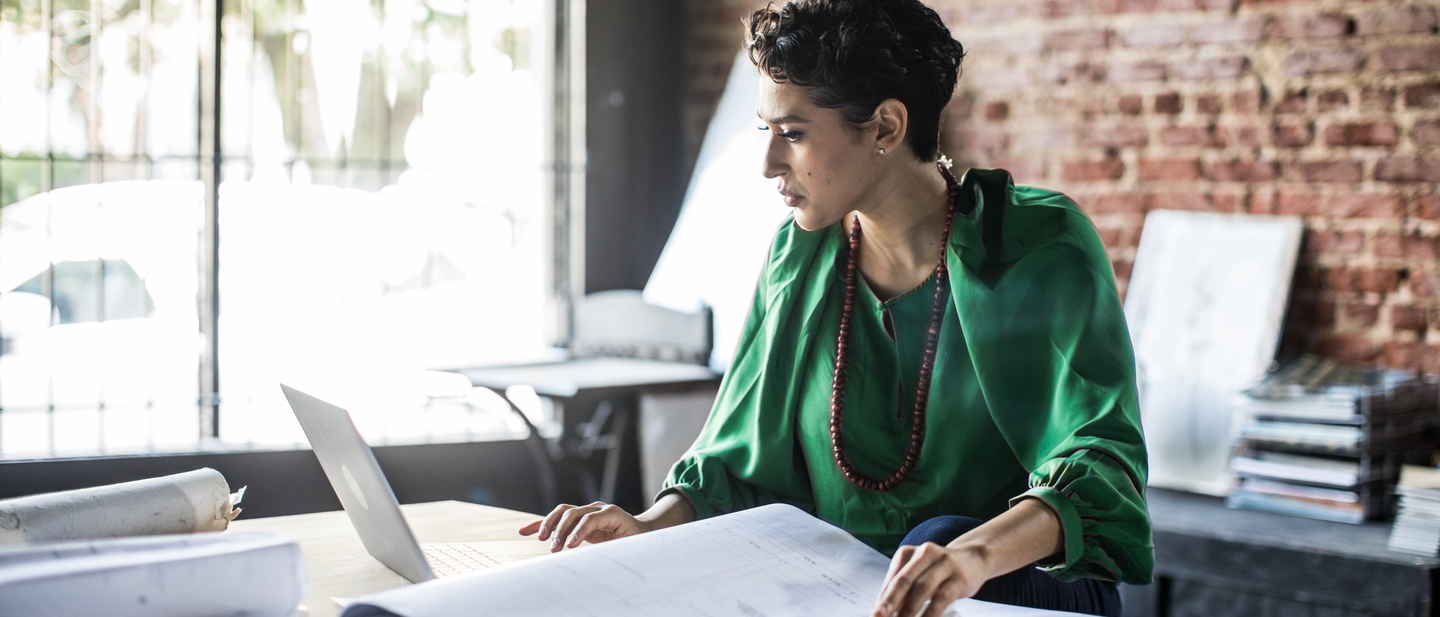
<point>927,362</point>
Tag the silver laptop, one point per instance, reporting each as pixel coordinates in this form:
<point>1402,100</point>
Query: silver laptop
<point>367,498</point>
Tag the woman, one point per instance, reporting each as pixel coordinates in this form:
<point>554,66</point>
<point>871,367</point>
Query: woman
<point>938,365</point>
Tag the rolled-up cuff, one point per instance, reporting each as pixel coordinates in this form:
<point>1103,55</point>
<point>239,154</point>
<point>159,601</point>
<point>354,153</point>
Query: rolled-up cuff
<point>1072,537</point>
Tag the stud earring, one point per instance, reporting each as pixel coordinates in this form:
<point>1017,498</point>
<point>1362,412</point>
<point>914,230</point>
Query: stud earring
<point>882,151</point>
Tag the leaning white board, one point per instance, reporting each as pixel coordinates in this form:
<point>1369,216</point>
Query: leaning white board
<point>1205,305</point>
<point>722,237</point>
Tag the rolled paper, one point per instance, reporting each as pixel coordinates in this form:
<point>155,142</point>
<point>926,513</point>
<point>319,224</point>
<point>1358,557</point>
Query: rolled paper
<point>187,502</point>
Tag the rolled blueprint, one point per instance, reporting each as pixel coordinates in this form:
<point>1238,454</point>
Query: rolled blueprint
<point>187,502</point>
<point>256,574</point>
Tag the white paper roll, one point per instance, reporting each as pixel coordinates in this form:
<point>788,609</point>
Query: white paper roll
<point>187,502</point>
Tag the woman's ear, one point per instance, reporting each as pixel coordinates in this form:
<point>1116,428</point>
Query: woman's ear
<point>891,122</point>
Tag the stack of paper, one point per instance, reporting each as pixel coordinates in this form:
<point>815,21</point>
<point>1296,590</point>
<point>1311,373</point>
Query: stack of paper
<point>773,560</point>
<point>1325,440</point>
<point>1417,526</point>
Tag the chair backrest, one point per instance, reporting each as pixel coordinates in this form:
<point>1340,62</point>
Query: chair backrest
<point>620,323</point>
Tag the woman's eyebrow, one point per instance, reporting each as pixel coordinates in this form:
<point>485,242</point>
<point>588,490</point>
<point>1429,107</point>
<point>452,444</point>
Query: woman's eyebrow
<point>785,120</point>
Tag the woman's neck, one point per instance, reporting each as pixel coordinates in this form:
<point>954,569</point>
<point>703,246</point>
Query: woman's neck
<point>900,228</point>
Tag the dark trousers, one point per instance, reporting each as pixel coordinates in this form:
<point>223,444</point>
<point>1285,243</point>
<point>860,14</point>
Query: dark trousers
<point>1026,586</point>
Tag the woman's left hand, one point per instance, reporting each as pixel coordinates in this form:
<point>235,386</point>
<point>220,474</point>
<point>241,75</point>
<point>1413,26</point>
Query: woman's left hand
<point>932,573</point>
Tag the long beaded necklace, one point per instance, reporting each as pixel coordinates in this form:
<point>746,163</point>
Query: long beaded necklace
<point>927,362</point>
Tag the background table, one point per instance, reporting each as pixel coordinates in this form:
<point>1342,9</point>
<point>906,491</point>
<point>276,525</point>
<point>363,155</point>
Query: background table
<point>337,562</point>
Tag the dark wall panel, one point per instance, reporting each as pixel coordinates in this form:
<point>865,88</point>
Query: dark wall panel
<point>637,167</point>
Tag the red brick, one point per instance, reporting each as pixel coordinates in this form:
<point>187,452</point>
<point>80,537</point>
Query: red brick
<point>995,12</point>
<point>1297,203</point>
<point>1131,105</point>
<point>1378,280</point>
<point>1331,100</point>
<point>1010,45</point>
<point>1361,134</point>
<point>1407,169</point>
<point>1322,171</point>
<point>1199,202</point>
<point>1116,136</point>
<point>986,140</point>
<point>1122,6</point>
<point>1387,245</point>
<point>1292,135</point>
<point>1173,169</point>
<point>1366,314</point>
<point>1323,61</point>
<point>1418,247</point>
<point>1408,318</point>
<point>1348,348</point>
<point>997,110</point>
<point>1153,36</point>
<point>1246,102</point>
<point>1201,69</point>
<point>1197,5</point>
<point>1073,40</point>
<point>1050,9</point>
<point>1413,18</point>
<point>1110,236</point>
<point>1126,72</point>
<point>1404,356</point>
<point>1425,284</point>
<point>1293,103</point>
<point>1334,242</point>
<point>1120,203</point>
<point>1407,58</point>
<point>1025,169</point>
<point>1377,98</point>
<point>1423,96</point>
<point>1123,268</point>
<point>1169,103</point>
<point>1208,104</point>
<point>1321,26</point>
<point>1366,206</point>
<point>1090,171</point>
<point>1426,132</point>
<point>1067,72</point>
<point>1428,206</point>
<point>1245,136</point>
<point>1228,31</point>
<point>1241,171</point>
<point>1187,136</point>
<point>1263,202</point>
<point>1229,202</point>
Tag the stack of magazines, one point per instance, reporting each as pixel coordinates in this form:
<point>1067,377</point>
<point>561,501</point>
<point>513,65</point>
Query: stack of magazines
<point>1417,526</point>
<point>1325,440</point>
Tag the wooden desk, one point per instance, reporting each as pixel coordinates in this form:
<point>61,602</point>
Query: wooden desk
<point>337,562</point>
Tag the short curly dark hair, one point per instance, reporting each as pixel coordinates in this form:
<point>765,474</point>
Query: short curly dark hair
<point>852,54</point>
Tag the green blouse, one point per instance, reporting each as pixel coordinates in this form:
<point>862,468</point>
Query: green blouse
<point>1033,394</point>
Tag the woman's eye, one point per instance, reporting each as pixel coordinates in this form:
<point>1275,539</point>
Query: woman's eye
<point>790,136</point>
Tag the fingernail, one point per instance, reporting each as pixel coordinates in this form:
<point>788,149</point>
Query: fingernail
<point>574,541</point>
<point>543,529</point>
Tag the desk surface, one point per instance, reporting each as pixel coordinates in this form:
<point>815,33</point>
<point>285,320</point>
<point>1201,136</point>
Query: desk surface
<point>570,377</point>
<point>337,562</point>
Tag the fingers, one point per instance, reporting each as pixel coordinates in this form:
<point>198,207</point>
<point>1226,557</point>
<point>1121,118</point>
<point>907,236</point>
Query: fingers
<point>924,589</point>
<point>530,529</point>
<point>568,520</point>
<point>601,520</point>
<point>902,582</point>
<point>946,595</point>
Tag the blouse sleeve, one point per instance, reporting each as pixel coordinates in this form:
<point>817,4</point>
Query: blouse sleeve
<point>747,454</point>
<point>1047,335</point>
<point>1102,516</point>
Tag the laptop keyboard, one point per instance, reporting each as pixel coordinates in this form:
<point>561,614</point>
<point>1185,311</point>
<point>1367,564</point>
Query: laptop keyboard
<point>451,559</point>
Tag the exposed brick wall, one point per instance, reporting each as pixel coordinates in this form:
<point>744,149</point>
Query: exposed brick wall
<point>1324,109</point>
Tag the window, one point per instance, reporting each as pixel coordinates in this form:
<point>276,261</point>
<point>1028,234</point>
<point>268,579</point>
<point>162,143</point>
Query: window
<point>371,194</point>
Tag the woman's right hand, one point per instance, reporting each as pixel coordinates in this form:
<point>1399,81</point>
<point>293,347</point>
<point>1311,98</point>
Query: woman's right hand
<point>567,526</point>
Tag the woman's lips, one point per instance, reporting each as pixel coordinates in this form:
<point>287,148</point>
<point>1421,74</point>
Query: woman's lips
<point>791,199</point>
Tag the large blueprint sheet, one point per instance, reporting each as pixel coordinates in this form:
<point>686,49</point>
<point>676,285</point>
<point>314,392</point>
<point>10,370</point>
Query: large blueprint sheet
<point>771,561</point>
